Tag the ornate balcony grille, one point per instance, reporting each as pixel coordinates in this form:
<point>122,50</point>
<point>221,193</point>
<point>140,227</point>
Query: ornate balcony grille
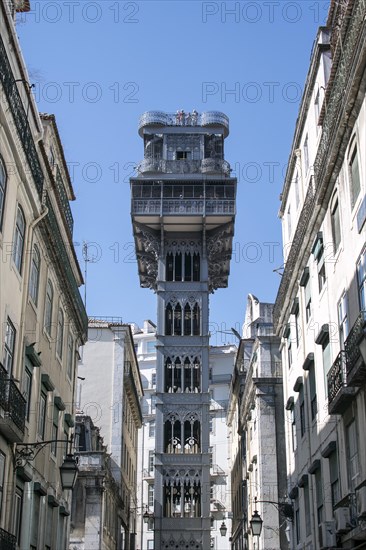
<point>185,166</point>
<point>337,376</point>
<point>297,245</point>
<point>20,118</point>
<point>351,344</point>
<point>12,401</point>
<point>64,201</point>
<point>208,118</point>
<point>65,267</point>
<point>7,541</point>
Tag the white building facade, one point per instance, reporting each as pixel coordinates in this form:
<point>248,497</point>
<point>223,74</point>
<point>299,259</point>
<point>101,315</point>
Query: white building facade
<point>109,392</point>
<point>320,307</point>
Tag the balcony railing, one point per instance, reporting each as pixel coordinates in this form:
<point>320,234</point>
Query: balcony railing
<point>20,118</point>
<point>184,166</point>
<point>180,118</point>
<point>339,394</point>
<point>64,201</point>
<point>14,406</point>
<point>7,541</point>
<point>356,367</point>
<point>187,207</point>
<point>67,273</point>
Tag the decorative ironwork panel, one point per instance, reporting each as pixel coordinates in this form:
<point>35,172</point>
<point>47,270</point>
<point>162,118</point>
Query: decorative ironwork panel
<point>337,376</point>
<point>64,200</point>
<point>351,345</point>
<point>7,541</point>
<point>20,118</point>
<point>11,400</point>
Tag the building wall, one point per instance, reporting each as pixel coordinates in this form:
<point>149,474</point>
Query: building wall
<point>38,363</point>
<point>323,387</point>
<point>109,362</point>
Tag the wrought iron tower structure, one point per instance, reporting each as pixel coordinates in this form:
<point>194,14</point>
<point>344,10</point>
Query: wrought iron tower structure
<point>183,211</point>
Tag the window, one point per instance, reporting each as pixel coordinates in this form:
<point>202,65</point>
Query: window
<point>342,320</point>
<point>180,155</point>
<point>352,454</point>
<point>70,356</point>
<point>34,274</point>
<point>54,435</point>
<point>150,544</point>
<point>3,179</point>
<point>312,391</point>
<point>150,496</point>
<point>2,477</point>
<point>42,414</point>
<point>354,176</point>
<point>27,390</point>
<point>326,360</point>
<point>9,346</point>
<point>17,519</point>
<point>334,477</point>
<point>60,333</point>
<point>48,308</point>
<point>306,155</point>
<point>152,428</point>
<point>308,300</point>
<point>289,222</point>
<point>297,191</point>
<point>289,351</point>
<point>293,429</point>
<point>153,379</point>
<point>336,225</point>
<point>151,346</point>
<point>211,424</point>
<point>318,251</point>
<point>319,495</point>
<point>307,510</point>
<point>317,111</point>
<point>361,276</point>
<point>153,403</point>
<point>19,239</point>
<point>302,411</point>
<point>297,522</point>
<point>151,461</point>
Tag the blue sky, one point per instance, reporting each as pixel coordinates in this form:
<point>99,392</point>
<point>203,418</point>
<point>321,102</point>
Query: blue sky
<point>98,65</point>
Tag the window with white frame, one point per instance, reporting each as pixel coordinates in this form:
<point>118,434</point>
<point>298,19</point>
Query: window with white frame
<point>70,355</point>
<point>18,244</point>
<point>42,414</point>
<point>17,517</point>
<point>336,224</point>
<point>48,309</point>
<point>34,274</point>
<point>152,428</point>
<point>27,389</point>
<point>317,111</point>
<point>342,320</point>
<point>9,346</point>
<point>312,391</point>
<point>354,174</point>
<point>150,496</point>
<point>151,461</point>
<point>361,276</point>
<point>334,477</point>
<point>153,379</point>
<point>60,333</point>
<point>306,155</point>
<point>3,181</point>
<point>353,463</point>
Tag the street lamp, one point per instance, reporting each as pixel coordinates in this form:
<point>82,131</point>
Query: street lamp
<point>147,516</point>
<point>256,524</point>
<point>27,452</point>
<point>223,529</point>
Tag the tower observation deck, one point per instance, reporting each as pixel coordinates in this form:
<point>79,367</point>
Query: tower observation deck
<point>183,212</point>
